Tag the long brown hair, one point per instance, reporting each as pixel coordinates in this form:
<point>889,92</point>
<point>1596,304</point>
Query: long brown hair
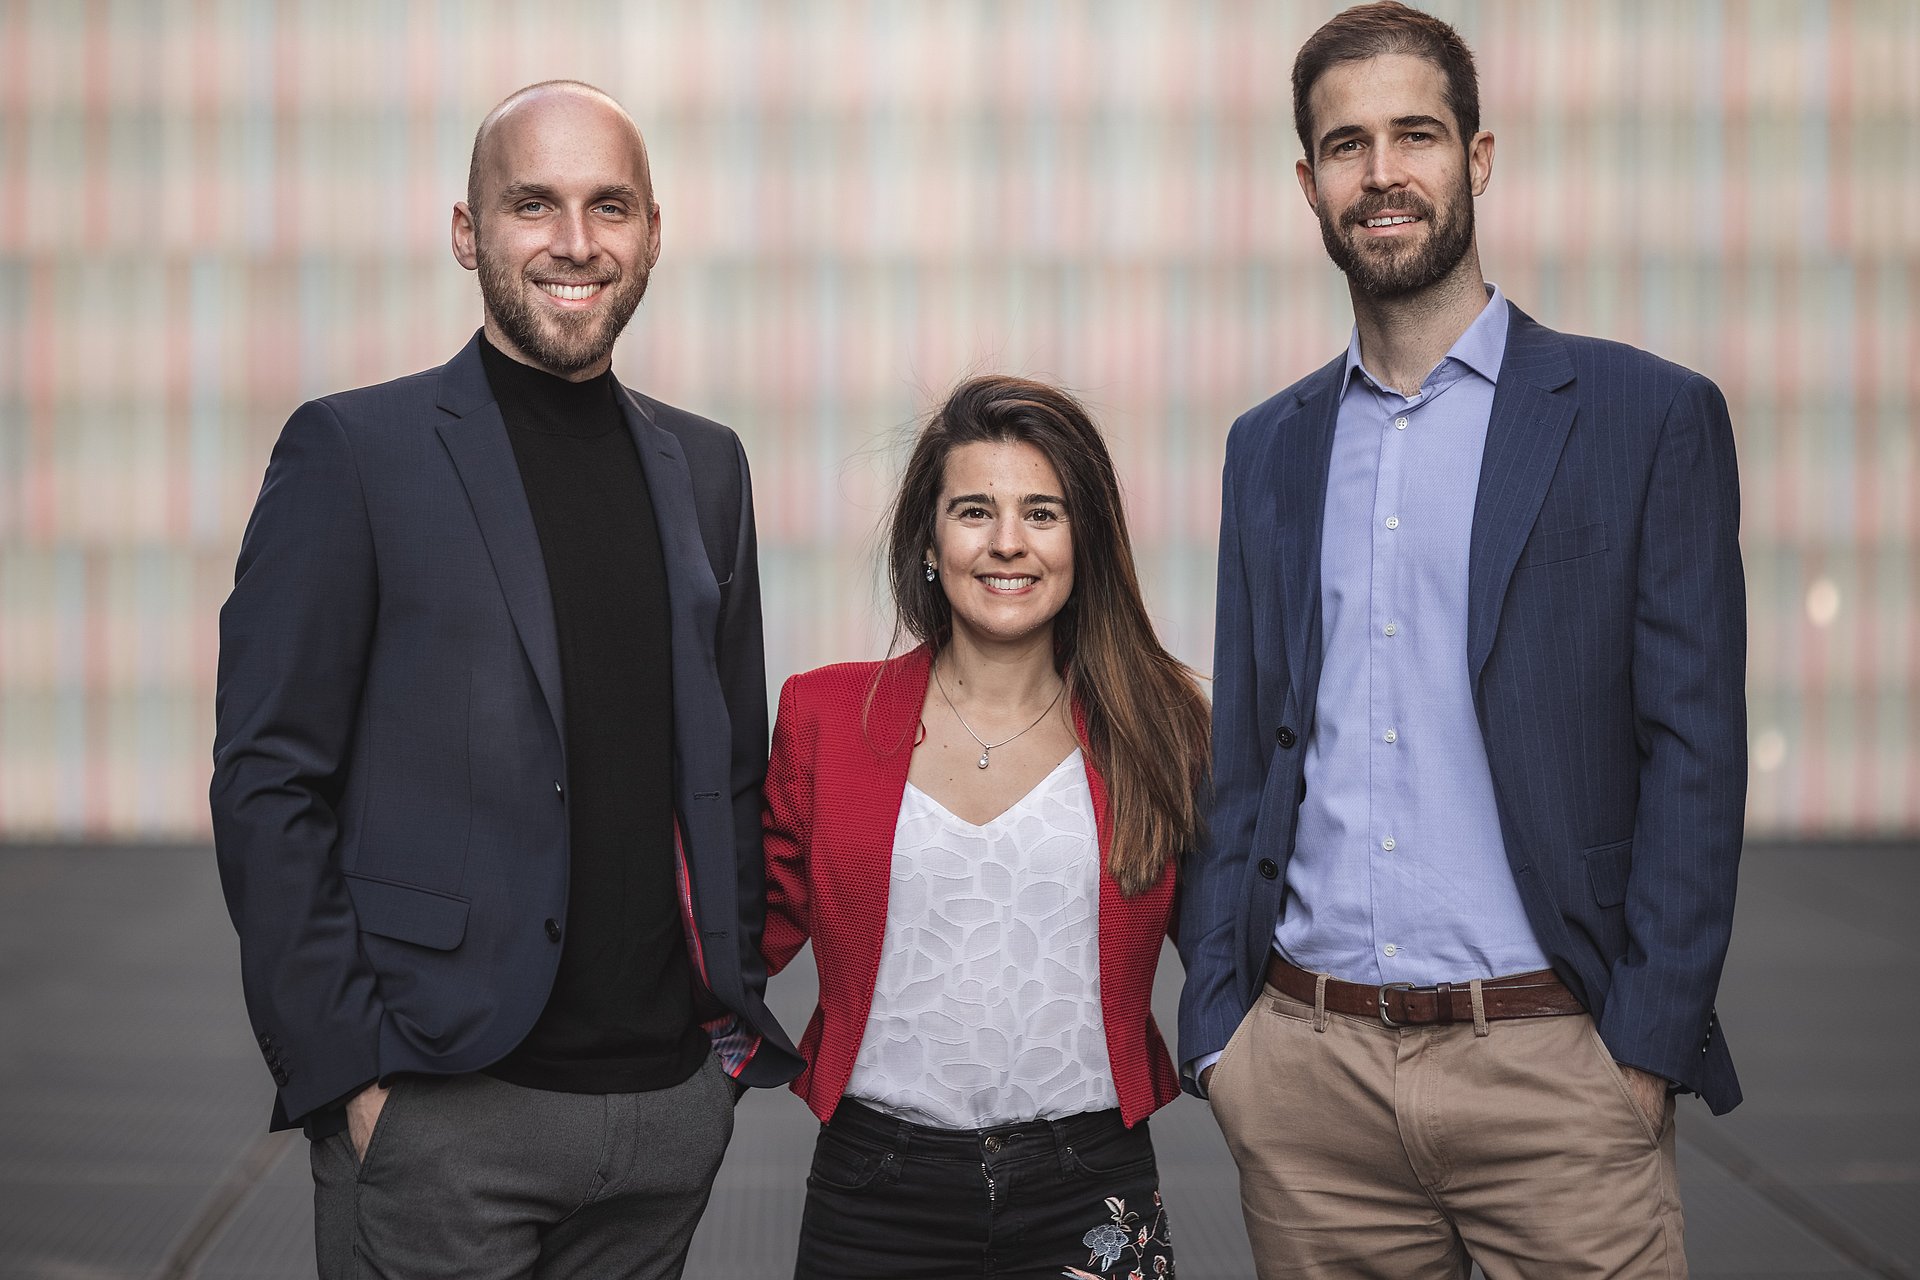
<point>1146,720</point>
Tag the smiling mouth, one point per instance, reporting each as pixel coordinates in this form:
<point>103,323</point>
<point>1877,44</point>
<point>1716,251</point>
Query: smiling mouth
<point>571,292</point>
<point>1394,220</point>
<point>1010,584</point>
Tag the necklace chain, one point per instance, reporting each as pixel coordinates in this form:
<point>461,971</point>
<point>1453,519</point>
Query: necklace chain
<point>985,746</point>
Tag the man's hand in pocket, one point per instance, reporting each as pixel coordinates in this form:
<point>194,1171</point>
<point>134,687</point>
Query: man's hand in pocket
<point>1649,1093</point>
<point>363,1113</point>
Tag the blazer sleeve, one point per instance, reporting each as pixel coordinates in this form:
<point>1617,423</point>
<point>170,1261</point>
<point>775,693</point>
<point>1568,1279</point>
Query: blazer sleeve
<point>1211,898</point>
<point>1689,694</point>
<point>741,657</point>
<point>294,643</point>
<point>787,831</point>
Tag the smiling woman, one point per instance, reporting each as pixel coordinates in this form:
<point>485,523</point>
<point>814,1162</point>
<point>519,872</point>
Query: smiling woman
<point>1001,542</point>
<point>1012,476</point>
<point>980,837</point>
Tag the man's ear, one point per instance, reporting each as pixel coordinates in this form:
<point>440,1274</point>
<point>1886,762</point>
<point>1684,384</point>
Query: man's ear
<point>1303,170</point>
<point>466,249</point>
<point>1480,161</point>
<point>653,235</point>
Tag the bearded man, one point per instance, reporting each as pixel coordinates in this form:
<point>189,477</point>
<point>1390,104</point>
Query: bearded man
<point>1453,939</point>
<point>491,739</point>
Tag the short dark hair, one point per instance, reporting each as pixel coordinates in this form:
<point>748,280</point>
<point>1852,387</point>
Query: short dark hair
<point>1387,26</point>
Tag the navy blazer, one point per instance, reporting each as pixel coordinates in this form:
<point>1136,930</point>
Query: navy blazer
<point>387,803</point>
<point>1606,645</point>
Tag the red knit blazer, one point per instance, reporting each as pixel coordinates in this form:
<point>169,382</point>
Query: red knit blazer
<point>834,787</point>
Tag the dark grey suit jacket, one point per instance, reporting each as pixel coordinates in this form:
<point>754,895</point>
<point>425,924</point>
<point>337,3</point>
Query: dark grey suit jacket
<point>387,795</point>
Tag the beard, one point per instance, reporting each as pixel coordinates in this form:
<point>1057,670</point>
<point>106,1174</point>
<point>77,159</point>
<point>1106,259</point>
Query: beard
<point>1390,270</point>
<point>563,342</point>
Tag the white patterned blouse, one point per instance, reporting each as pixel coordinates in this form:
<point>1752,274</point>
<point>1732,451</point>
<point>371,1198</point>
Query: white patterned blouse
<point>986,1010</point>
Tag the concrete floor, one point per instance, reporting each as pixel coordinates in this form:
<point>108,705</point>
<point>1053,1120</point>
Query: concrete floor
<point>133,1101</point>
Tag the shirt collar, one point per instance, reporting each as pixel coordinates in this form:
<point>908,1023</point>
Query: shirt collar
<point>1481,348</point>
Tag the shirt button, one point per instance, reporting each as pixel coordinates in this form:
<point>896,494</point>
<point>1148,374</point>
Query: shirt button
<point>1393,522</point>
<point>1387,844</point>
<point>1399,424</point>
<point>1390,949</point>
<point>1391,735</point>
<point>1392,628</point>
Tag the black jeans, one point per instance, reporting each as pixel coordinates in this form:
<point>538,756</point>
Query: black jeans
<point>888,1200</point>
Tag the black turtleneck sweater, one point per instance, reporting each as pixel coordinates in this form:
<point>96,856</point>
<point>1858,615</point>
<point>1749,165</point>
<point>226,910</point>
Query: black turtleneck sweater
<point>620,1017</point>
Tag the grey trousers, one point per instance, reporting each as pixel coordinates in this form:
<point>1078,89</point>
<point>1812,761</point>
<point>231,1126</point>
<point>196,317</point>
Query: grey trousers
<point>470,1178</point>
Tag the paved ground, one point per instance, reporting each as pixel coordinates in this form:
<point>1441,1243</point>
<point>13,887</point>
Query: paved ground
<point>133,1102</point>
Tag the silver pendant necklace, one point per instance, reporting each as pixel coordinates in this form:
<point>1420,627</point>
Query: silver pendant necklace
<point>985,746</point>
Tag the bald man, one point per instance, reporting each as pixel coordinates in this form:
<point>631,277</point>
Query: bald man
<point>491,737</point>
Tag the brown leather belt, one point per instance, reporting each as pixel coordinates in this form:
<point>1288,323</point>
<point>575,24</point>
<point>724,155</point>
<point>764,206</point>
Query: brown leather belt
<point>1398,1004</point>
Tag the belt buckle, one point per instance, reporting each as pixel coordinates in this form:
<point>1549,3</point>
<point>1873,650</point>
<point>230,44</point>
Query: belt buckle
<point>1381,1001</point>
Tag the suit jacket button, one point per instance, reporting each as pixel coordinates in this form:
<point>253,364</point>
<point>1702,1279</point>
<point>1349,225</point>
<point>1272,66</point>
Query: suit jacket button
<point>1269,868</point>
<point>553,930</point>
<point>1285,737</point>
<point>559,790</point>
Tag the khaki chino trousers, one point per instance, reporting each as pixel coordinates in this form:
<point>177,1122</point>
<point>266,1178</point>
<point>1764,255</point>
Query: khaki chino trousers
<point>1407,1153</point>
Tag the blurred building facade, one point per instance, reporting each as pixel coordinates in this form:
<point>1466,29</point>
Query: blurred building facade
<point>211,210</point>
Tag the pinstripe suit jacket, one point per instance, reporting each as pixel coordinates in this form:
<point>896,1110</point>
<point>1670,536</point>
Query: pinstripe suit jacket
<point>1606,645</point>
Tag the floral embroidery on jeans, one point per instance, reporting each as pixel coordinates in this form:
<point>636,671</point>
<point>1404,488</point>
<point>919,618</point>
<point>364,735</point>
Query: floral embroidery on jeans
<point>1150,1242</point>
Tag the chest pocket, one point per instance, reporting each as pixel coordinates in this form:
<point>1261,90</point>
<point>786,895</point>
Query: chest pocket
<point>1554,545</point>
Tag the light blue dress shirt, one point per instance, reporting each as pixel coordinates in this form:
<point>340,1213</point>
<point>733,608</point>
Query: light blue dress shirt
<point>1399,872</point>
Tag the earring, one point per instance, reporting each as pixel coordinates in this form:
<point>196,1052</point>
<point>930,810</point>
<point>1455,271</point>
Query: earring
<point>932,572</point>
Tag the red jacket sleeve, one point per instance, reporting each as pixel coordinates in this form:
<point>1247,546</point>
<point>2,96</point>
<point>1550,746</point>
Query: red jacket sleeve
<point>787,830</point>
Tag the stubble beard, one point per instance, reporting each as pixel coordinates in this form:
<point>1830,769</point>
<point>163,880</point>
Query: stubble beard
<point>1388,271</point>
<point>562,342</point>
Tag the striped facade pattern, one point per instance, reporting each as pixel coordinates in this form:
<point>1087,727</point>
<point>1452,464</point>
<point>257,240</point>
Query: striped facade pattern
<point>211,210</point>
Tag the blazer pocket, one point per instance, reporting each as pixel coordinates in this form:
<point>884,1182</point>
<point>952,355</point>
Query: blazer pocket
<point>411,914</point>
<point>1607,868</point>
<point>1555,545</point>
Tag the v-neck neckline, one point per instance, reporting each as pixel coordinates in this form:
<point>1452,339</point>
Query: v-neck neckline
<point>1070,758</point>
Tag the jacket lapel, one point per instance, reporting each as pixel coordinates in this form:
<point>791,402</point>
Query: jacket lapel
<point>693,597</point>
<point>1113,906</point>
<point>476,438</point>
<point>1130,930</point>
<point>864,828</point>
<point>1526,432</point>
<point>1302,449</point>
